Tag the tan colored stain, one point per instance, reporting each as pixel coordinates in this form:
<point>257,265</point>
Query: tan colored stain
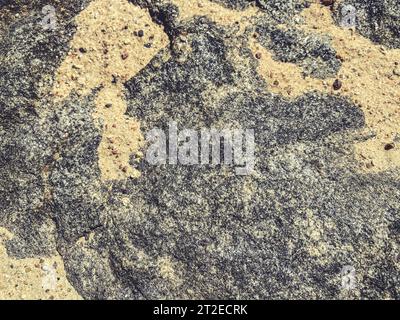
<point>214,11</point>
<point>369,79</point>
<point>286,78</point>
<point>29,279</point>
<point>112,55</point>
<point>121,136</point>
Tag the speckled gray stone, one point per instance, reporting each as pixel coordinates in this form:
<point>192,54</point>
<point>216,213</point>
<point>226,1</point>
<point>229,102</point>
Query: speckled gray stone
<point>376,20</point>
<point>311,52</point>
<point>223,235</point>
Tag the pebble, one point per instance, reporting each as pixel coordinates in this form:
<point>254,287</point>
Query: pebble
<point>258,55</point>
<point>339,57</point>
<point>389,146</point>
<point>140,33</point>
<point>369,165</point>
<point>327,2</point>
<point>337,85</point>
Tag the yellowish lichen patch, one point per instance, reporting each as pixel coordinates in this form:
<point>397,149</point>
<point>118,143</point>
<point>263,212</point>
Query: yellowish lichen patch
<point>369,79</point>
<point>113,42</point>
<point>34,278</point>
<point>214,11</point>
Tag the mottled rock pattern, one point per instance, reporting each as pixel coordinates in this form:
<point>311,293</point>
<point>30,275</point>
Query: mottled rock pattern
<point>235,4</point>
<point>311,52</point>
<point>197,232</point>
<point>29,58</point>
<point>378,20</point>
<point>282,11</point>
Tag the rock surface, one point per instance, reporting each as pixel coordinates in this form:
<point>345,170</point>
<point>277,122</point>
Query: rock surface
<point>184,232</point>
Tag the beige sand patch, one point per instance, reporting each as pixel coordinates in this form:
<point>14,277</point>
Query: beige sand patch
<point>214,11</point>
<point>285,79</point>
<point>369,79</point>
<point>36,278</point>
<point>114,41</point>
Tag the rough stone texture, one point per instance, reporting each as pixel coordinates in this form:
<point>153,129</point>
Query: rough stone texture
<point>29,58</point>
<point>282,11</point>
<point>235,4</point>
<point>311,52</point>
<point>379,20</point>
<point>202,231</point>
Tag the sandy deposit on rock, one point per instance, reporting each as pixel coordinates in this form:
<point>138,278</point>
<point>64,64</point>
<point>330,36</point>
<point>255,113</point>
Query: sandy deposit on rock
<point>368,77</point>
<point>114,41</point>
<point>34,278</point>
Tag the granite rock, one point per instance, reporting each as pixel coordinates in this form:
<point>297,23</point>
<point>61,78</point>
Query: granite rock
<point>203,232</point>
